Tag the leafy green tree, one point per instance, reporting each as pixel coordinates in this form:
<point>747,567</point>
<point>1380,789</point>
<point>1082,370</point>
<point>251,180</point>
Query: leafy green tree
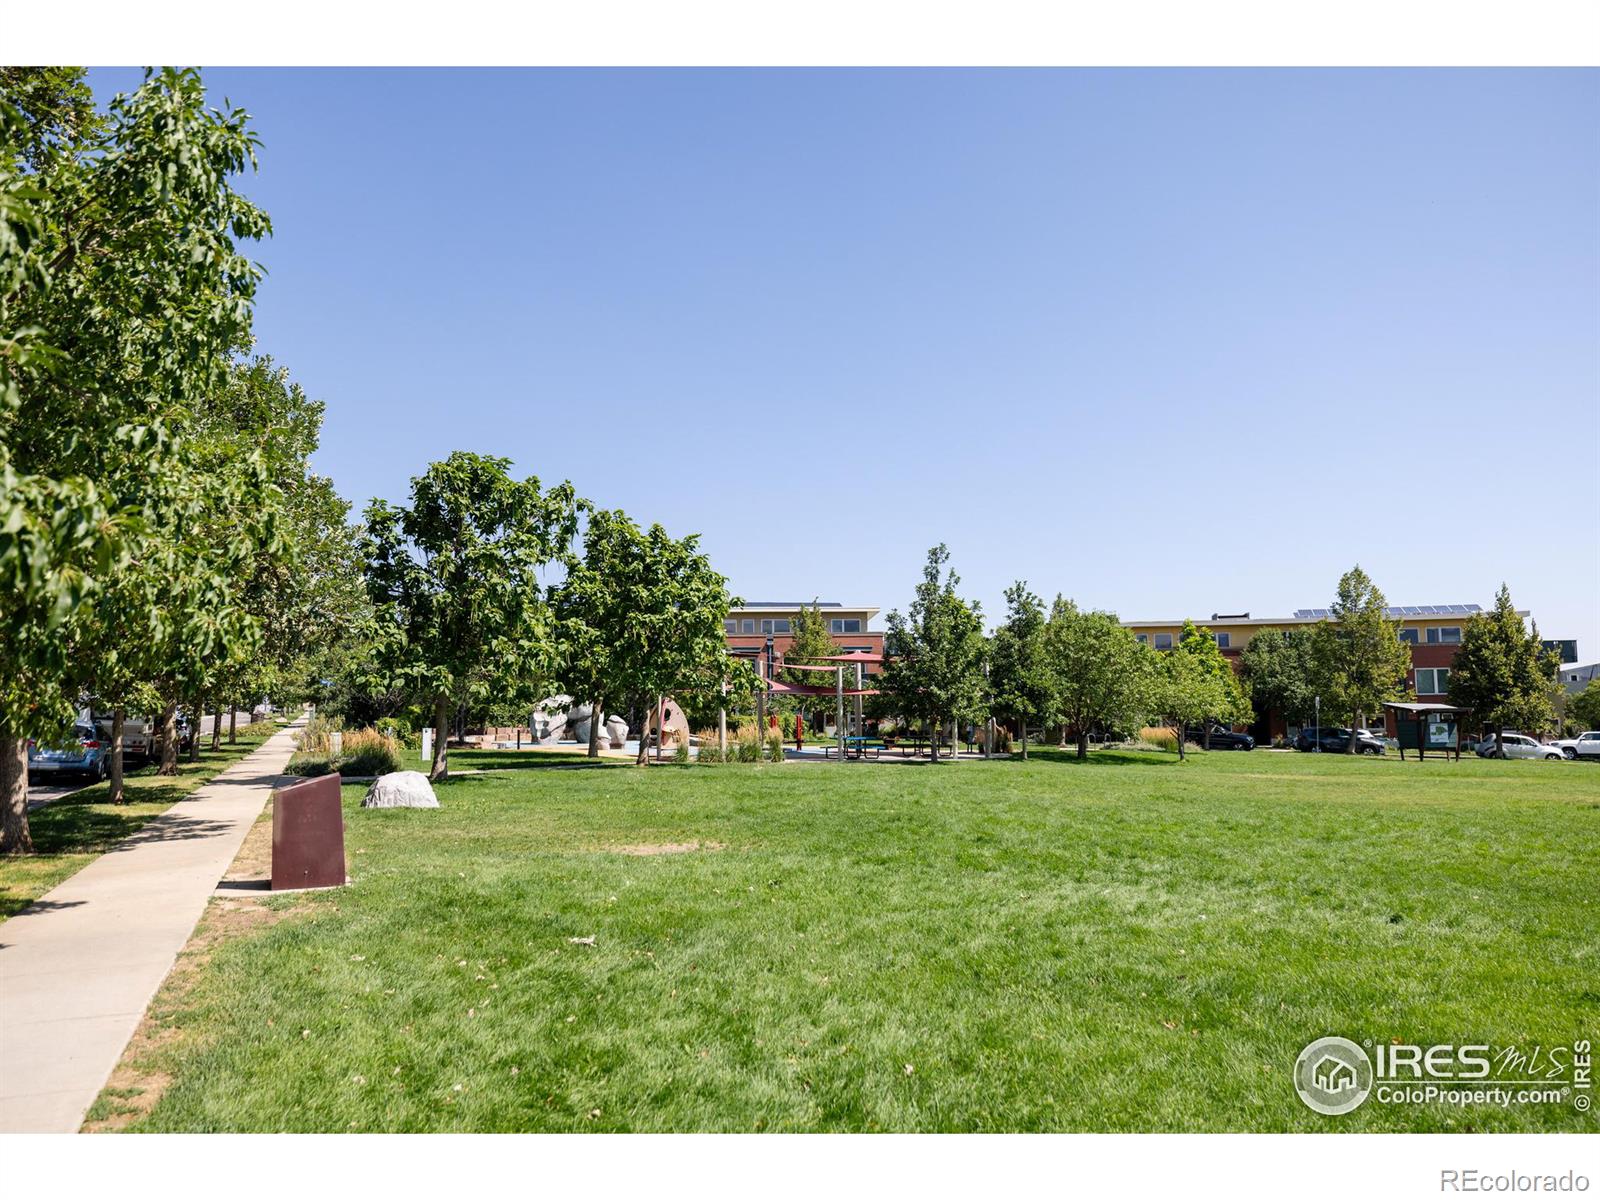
<point>1360,659</point>
<point>1583,708</point>
<point>122,293</point>
<point>1098,672</point>
<point>810,641</point>
<point>1022,683</point>
<point>1278,669</point>
<point>1184,689</point>
<point>936,651</point>
<point>1502,672</point>
<point>460,616</point>
<point>636,617</point>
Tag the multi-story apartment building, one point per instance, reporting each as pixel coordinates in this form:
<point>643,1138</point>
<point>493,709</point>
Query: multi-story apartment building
<point>1433,631</point>
<point>749,626</point>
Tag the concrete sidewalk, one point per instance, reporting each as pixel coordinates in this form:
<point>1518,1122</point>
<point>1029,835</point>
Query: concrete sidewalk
<point>79,966</point>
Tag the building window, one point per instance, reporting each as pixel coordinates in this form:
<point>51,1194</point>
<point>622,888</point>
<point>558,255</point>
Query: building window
<point>1142,638</point>
<point>1408,636</point>
<point>774,625</point>
<point>1444,634</point>
<point>1222,640</point>
<point>845,625</point>
<point>1163,641</point>
<point>731,625</point>
<point>1433,681</point>
<point>748,625</point>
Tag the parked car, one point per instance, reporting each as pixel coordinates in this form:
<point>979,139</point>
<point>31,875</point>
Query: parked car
<point>1334,740</point>
<point>83,753</point>
<point>138,733</point>
<point>1220,739</point>
<point>1585,745</point>
<point>1516,745</point>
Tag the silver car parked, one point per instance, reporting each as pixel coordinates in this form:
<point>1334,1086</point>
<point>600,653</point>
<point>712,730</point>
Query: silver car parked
<point>1516,745</point>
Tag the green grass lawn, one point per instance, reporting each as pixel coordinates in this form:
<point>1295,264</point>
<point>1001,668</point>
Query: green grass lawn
<point>1125,944</point>
<point>70,832</point>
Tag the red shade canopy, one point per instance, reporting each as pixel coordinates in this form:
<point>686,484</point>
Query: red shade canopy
<point>860,656</point>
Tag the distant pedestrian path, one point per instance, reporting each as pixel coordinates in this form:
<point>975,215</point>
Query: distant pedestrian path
<point>79,966</point>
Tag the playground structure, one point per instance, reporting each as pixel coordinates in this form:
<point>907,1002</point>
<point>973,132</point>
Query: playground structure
<point>848,723</point>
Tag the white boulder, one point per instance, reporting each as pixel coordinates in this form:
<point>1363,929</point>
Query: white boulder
<point>617,731</point>
<point>401,789</point>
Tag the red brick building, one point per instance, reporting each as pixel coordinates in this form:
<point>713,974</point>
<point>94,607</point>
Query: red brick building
<point>748,627</point>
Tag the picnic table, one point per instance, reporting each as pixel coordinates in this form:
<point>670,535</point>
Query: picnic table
<point>914,744</point>
<point>855,747</point>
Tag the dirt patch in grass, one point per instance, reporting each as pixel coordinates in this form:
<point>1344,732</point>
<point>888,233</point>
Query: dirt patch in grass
<point>254,860</point>
<point>647,849</point>
<point>139,1082</point>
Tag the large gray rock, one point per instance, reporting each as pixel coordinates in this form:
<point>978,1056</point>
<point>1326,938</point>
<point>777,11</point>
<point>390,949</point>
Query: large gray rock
<point>401,789</point>
<point>617,731</point>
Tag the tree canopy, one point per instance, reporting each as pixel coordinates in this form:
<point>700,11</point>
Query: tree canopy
<point>936,650</point>
<point>1360,659</point>
<point>1022,683</point>
<point>1502,672</point>
<point>1278,669</point>
<point>123,293</point>
<point>460,615</point>
<point>1098,672</point>
<point>641,616</point>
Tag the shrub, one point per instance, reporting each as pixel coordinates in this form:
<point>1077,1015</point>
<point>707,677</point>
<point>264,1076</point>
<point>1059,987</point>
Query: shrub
<point>710,751</point>
<point>315,736</point>
<point>361,752</point>
<point>1159,735</point>
<point>681,754</point>
<point>309,764</point>
<point>369,752</point>
<point>257,729</point>
<point>775,747</point>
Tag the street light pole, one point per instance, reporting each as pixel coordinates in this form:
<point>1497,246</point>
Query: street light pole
<point>1316,725</point>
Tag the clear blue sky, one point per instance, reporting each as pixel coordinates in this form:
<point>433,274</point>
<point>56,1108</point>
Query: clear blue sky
<point>1169,342</point>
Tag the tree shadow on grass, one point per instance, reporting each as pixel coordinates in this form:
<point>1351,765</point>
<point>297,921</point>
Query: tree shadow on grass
<point>74,827</point>
<point>1100,758</point>
<point>535,760</point>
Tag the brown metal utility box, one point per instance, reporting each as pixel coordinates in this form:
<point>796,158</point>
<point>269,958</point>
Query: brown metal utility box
<point>308,835</point>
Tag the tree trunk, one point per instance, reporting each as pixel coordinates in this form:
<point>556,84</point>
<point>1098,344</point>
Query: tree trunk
<point>14,838</point>
<point>644,740</point>
<point>1083,744</point>
<point>117,717</point>
<point>216,726</point>
<point>1356,722</point>
<point>440,767</point>
<point>1178,729</point>
<point>194,729</point>
<point>1062,741</point>
<point>233,723</point>
<point>594,725</point>
<point>1024,724</point>
<point>169,740</point>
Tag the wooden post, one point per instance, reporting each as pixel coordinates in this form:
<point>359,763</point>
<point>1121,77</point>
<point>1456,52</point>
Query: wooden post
<point>839,729</point>
<point>722,724</point>
<point>860,720</point>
